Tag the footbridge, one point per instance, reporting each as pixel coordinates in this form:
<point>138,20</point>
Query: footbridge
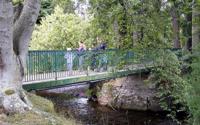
<point>53,69</point>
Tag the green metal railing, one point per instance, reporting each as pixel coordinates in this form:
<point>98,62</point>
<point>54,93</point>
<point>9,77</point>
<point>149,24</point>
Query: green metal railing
<point>42,65</point>
<point>45,65</point>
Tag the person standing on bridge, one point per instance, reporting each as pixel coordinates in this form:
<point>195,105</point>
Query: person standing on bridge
<point>101,56</point>
<point>69,58</point>
<point>81,50</point>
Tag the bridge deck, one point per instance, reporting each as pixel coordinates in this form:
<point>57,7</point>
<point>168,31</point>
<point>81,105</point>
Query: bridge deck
<point>39,81</point>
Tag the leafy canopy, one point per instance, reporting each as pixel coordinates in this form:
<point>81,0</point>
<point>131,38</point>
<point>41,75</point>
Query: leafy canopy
<point>59,31</point>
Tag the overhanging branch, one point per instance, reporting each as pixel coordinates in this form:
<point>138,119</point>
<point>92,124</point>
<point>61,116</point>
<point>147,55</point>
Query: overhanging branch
<point>24,26</point>
<point>17,11</point>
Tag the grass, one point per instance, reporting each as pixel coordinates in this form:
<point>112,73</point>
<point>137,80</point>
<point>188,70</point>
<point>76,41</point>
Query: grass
<point>47,117</point>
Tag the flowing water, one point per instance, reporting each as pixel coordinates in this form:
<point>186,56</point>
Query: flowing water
<point>90,113</point>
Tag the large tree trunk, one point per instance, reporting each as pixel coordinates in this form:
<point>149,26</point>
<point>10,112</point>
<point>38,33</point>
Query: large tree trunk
<point>195,23</point>
<point>15,35</point>
<point>175,27</point>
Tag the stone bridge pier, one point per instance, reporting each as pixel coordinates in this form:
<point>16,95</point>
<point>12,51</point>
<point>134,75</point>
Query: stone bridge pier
<point>131,92</point>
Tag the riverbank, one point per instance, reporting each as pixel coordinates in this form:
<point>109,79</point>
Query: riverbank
<point>43,114</point>
<point>77,106</point>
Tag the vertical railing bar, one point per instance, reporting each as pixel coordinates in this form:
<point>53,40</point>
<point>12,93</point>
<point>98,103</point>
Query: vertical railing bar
<point>53,63</point>
<point>64,73</point>
<point>42,60</point>
<point>65,65</point>
<point>45,59</point>
<point>65,69</point>
<point>48,63</point>
<point>76,63</point>
<point>37,67</point>
<point>37,64</point>
<point>55,66</point>
<point>44,64</point>
<point>30,66</point>
<point>61,64</point>
<point>41,63</point>
<point>27,69</point>
<point>50,56</point>
<point>34,67</point>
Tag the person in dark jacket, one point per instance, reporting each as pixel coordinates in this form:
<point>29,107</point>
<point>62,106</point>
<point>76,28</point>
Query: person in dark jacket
<point>100,57</point>
<point>69,56</point>
<point>81,49</point>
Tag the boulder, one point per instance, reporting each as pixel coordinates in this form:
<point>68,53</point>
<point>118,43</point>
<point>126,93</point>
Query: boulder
<point>129,93</point>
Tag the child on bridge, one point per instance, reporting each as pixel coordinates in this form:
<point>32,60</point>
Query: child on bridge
<point>69,56</point>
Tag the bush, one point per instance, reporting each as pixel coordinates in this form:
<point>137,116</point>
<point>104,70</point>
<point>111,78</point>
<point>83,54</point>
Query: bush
<point>193,93</point>
<point>59,31</point>
<point>170,85</point>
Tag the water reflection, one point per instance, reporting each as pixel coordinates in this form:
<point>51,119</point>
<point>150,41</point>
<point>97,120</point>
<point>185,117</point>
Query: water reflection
<point>89,113</point>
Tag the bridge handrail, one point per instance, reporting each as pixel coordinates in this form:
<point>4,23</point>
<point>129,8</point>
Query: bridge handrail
<point>46,64</point>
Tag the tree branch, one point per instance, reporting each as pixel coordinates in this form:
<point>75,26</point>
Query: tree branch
<point>24,26</point>
<point>23,29</point>
<point>17,11</point>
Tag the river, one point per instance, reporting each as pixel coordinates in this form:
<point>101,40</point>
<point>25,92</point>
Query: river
<point>73,102</point>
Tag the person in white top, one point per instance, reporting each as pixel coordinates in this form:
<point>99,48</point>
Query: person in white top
<point>69,56</point>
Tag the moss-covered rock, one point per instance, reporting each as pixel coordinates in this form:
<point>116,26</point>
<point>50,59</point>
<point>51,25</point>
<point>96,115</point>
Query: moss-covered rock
<point>129,93</point>
<point>47,116</point>
<point>41,103</point>
<point>9,92</point>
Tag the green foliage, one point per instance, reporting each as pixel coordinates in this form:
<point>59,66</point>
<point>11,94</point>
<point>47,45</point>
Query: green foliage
<point>60,31</point>
<point>45,116</point>
<point>150,21</point>
<point>193,95</point>
<point>67,5</point>
<point>17,1</point>
<point>107,21</point>
<point>41,103</point>
<point>48,6</point>
<point>117,21</point>
<point>170,85</point>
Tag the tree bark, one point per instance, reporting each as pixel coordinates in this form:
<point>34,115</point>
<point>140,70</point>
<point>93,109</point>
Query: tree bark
<point>195,24</point>
<point>116,30</point>
<point>175,27</point>
<point>14,42</point>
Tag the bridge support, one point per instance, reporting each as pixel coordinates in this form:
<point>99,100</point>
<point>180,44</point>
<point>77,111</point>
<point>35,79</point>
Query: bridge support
<point>93,91</point>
